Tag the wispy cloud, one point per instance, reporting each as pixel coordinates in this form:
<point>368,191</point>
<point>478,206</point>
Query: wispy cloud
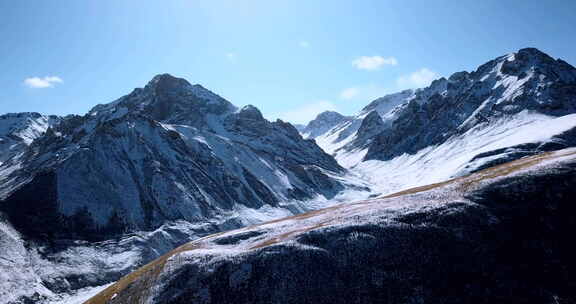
<point>418,79</point>
<point>42,82</point>
<point>365,92</point>
<point>373,63</point>
<point>304,114</point>
<point>304,44</point>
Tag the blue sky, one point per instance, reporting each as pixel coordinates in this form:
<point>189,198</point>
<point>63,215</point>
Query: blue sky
<point>291,59</point>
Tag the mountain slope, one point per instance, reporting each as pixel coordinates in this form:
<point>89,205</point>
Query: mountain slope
<point>95,196</point>
<point>170,151</point>
<point>323,123</point>
<point>471,239</point>
<point>528,80</point>
<point>18,130</point>
<point>458,124</point>
<point>333,139</point>
<point>100,194</point>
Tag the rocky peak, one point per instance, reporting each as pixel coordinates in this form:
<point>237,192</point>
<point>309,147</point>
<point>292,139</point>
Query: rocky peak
<point>289,129</point>
<point>167,84</point>
<point>248,121</point>
<point>329,116</point>
<point>524,64</point>
<point>20,115</point>
<point>18,130</point>
<point>167,99</point>
<point>250,112</point>
<point>322,123</point>
<point>459,76</point>
<point>533,53</point>
<point>525,81</point>
<point>386,103</point>
<point>175,98</point>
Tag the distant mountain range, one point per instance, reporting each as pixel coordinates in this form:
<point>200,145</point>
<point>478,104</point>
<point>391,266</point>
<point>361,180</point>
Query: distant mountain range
<point>513,106</point>
<point>88,199</point>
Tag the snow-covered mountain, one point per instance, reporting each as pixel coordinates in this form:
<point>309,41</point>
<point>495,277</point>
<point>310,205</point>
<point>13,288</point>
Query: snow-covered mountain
<point>168,162</point>
<point>515,105</point>
<point>18,130</point>
<point>334,138</point>
<point>502,235</point>
<point>169,151</point>
<point>322,123</point>
<point>86,199</point>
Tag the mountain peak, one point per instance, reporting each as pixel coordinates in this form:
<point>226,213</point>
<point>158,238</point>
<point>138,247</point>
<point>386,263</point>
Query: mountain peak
<point>386,103</point>
<point>166,77</point>
<point>533,61</point>
<point>531,56</point>
<point>322,123</point>
<point>250,112</point>
<point>166,83</point>
<point>168,99</point>
<point>532,51</point>
<point>328,115</point>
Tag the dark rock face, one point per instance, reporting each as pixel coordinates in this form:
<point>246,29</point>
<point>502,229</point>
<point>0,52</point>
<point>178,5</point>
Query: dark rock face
<point>507,241</point>
<point>371,126</point>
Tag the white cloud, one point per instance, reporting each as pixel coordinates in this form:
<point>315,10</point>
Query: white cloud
<point>306,113</point>
<point>371,91</point>
<point>373,63</point>
<point>304,44</point>
<point>40,83</point>
<point>231,56</point>
<point>418,79</point>
<point>365,93</point>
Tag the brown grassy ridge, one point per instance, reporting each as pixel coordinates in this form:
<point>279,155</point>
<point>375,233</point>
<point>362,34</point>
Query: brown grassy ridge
<point>468,181</point>
<point>513,166</point>
<point>145,276</point>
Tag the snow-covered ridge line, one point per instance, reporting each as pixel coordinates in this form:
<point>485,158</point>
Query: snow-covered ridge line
<point>19,130</point>
<point>522,101</point>
<point>505,86</point>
